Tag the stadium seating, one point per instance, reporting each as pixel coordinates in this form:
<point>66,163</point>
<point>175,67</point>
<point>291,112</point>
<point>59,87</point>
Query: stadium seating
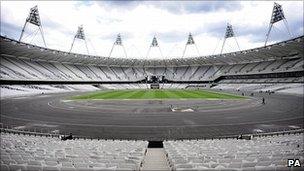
<point>27,152</point>
<point>22,90</point>
<point>22,69</point>
<point>260,153</point>
<point>294,88</point>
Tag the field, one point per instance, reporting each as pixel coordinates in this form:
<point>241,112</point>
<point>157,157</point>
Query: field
<point>156,94</point>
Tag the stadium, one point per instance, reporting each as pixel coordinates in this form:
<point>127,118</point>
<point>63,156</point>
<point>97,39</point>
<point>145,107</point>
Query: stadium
<point>240,110</point>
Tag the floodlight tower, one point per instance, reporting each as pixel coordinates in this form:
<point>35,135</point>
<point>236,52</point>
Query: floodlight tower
<point>33,18</point>
<point>154,44</point>
<point>190,42</point>
<point>118,42</point>
<point>277,15</point>
<point>80,35</point>
<point>228,34</point>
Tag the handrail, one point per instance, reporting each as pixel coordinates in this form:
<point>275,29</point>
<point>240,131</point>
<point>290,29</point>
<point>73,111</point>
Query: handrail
<point>242,136</point>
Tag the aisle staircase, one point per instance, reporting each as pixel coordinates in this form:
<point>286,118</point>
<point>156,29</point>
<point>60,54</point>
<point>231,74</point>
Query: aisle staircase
<point>155,159</point>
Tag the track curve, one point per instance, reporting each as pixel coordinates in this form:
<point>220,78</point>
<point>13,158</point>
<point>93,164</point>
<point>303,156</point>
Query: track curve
<point>153,119</point>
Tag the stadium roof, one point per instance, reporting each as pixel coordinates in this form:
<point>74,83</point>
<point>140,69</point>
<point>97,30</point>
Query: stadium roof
<point>292,48</point>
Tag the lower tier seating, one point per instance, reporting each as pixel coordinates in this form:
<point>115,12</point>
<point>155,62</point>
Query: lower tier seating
<point>260,153</point>
<point>25,152</point>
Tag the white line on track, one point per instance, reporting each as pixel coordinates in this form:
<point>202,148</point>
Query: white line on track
<point>69,108</point>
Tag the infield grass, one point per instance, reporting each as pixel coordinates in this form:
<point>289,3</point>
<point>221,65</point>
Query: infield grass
<point>156,94</point>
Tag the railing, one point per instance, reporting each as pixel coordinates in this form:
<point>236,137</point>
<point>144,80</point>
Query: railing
<point>44,132</point>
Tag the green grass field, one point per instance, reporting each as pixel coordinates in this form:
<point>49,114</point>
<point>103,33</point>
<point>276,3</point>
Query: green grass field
<point>156,94</point>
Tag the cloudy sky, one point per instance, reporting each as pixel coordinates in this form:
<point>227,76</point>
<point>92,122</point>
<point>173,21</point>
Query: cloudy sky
<point>139,21</point>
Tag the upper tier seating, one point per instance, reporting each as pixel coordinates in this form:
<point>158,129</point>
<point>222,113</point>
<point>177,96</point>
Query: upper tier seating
<point>22,69</point>
<point>26,152</point>
<point>260,153</point>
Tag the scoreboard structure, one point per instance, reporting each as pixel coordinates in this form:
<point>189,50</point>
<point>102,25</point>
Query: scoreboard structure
<point>154,86</point>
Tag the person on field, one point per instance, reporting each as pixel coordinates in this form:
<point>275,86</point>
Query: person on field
<point>263,100</point>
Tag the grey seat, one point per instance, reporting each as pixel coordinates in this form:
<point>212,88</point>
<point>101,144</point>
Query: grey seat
<point>97,165</point>
<point>33,168</point>
<point>264,168</point>
<point>50,168</point>
<point>184,166</point>
<point>4,167</point>
<point>248,164</point>
<point>282,168</point>
<point>279,163</point>
<point>297,168</point>
<point>248,169</point>
<point>229,169</point>
<point>81,165</point>
<point>34,163</point>
<point>16,167</point>
<point>67,164</point>
<point>235,165</point>
<point>67,169</point>
<point>22,161</point>
<point>51,163</point>
<point>9,161</point>
<point>84,169</point>
<point>264,163</point>
<point>16,157</point>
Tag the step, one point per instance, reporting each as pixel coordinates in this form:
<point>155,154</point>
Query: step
<point>155,159</point>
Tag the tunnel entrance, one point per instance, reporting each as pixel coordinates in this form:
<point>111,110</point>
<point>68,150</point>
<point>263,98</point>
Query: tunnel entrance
<point>155,144</point>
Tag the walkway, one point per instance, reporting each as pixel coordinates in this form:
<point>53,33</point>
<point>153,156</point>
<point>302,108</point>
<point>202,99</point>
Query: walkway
<point>155,159</point>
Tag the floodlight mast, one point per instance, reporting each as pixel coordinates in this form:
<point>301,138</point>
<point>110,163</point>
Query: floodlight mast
<point>228,34</point>
<point>80,35</point>
<point>154,44</point>
<point>276,16</point>
<point>118,42</point>
<point>190,41</point>
<point>33,18</point>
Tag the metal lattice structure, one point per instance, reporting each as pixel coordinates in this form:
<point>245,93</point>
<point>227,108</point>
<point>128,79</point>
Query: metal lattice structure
<point>118,42</point>
<point>229,31</point>
<point>154,44</point>
<point>229,34</point>
<point>33,18</point>
<point>276,16</point>
<point>277,13</point>
<point>80,35</point>
<point>190,42</point>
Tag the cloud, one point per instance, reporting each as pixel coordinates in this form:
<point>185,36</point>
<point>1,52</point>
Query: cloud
<point>197,6</point>
<point>170,37</point>
<point>10,30</point>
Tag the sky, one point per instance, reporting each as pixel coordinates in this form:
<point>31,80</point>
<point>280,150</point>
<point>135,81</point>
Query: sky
<point>139,21</point>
